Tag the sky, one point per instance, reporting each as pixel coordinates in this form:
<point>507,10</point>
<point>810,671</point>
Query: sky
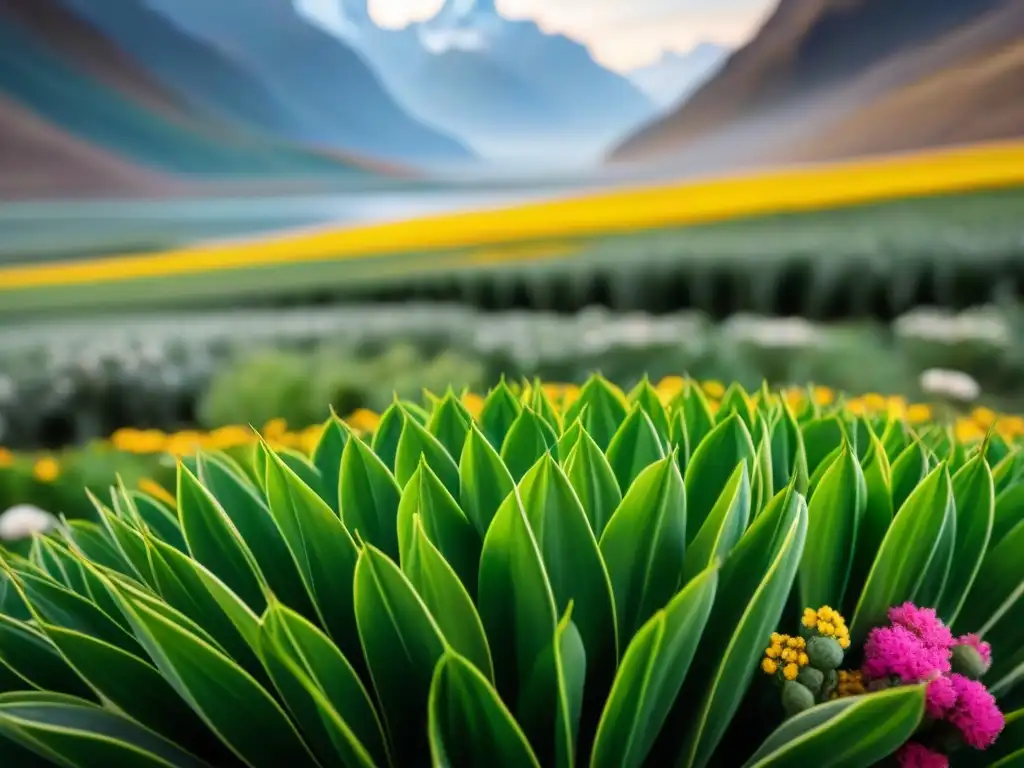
<point>621,34</point>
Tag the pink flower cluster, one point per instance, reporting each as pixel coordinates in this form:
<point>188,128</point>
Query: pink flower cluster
<point>917,647</point>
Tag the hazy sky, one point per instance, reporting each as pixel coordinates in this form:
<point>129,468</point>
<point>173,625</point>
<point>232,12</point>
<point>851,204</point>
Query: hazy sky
<point>620,33</point>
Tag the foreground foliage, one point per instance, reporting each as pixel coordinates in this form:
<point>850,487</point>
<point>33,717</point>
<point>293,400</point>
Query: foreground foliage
<point>543,582</point>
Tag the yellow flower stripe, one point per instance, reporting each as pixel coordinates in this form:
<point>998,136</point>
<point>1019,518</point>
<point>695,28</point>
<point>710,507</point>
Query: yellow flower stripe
<point>979,167</point>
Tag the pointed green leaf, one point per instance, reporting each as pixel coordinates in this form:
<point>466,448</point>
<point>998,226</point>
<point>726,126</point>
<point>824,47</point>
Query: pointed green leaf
<point>214,541</point>
<point>415,442</point>
<point>449,424</point>
<point>485,480</point>
<point>821,437</point>
<point>907,553</point>
<point>646,397</point>
<point>74,732</point>
<point>710,467</point>
<point>322,690</point>
<point>723,528</point>
<point>845,731</point>
<point>446,598</point>
<point>594,481</point>
<point>389,432</point>
<point>875,523</point>
<point>605,410</point>
<point>634,447</point>
<point>33,659</point>
<point>908,471</point>
<point>833,521</point>
<point>327,457</point>
<point>652,672</point>
<point>644,543</point>
<point>469,726</point>
<point>443,524</point>
<point>529,438</point>
<point>402,643</point>
<point>369,496</point>
<point>974,502</point>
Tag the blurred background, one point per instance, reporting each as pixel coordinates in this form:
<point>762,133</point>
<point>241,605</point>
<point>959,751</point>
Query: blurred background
<point>216,214</point>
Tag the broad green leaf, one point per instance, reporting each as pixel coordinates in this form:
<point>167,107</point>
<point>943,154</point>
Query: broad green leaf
<point>485,480</point>
<point>646,397</point>
<point>369,496</point>
<point>322,547</point>
<point>499,412</point>
<point>449,424</point>
<point>1009,510</point>
<point>896,438</point>
<point>469,725</point>
<point>159,518</point>
<point>389,432</point>
<point>644,543</point>
<point>875,523</point>
<point>723,528</point>
<point>54,604</point>
<point>322,690</point>
<point>736,400</point>
<point>858,730</point>
<point>134,686</point>
<point>88,539</point>
<point>528,439</point>
<point>754,584</point>
<point>551,703</point>
<point>821,437</point>
<point>247,510</point>
<point>327,457</point>
<point>572,559</point>
<point>594,482</point>
<point>974,500</point>
<point>634,447</point>
<point>833,522</point>
<point>446,598</point>
<point>787,443</point>
<point>568,440</point>
<point>907,553</point>
<point>226,697</point>
<point>295,461</point>
<point>697,415</point>
<point>416,442</point>
<point>710,467</point>
<point>443,524</point>
<point>762,484</point>
<point>651,675</point>
<point>185,587</point>
<point>541,405</point>
<point>908,472</point>
<point>75,732</point>
<point>515,600</point>
<point>605,410</point>
<point>823,467</point>
<point>402,643</point>
<point>994,607</point>
<point>33,659</point>
<point>214,540</point>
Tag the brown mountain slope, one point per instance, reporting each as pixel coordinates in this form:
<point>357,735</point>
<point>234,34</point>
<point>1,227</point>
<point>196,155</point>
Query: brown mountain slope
<point>87,49</point>
<point>38,160</point>
<point>813,61</point>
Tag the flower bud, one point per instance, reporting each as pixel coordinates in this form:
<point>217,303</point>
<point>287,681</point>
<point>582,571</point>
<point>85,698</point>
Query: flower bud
<point>824,653</point>
<point>796,698</point>
<point>812,679</point>
<point>968,662</point>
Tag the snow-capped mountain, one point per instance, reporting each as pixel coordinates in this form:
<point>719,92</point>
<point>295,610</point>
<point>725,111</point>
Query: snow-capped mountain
<point>675,75</point>
<point>502,86</point>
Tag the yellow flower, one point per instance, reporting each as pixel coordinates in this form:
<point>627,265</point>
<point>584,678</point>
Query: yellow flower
<point>823,396</point>
<point>986,417</point>
<point>473,403</point>
<point>274,428</point>
<point>857,406</point>
<point>969,431</point>
<point>6,458</point>
<point>803,660</point>
<point>46,469</point>
<point>777,639</point>
<point>156,490</point>
<point>851,683</point>
<point>897,407</point>
<point>669,387</point>
<point>919,413</point>
<point>790,671</point>
<point>363,420</point>
<point>773,652</point>
<point>713,389</point>
<point>769,667</point>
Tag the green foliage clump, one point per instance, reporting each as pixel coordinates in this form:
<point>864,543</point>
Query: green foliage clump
<point>534,582</point>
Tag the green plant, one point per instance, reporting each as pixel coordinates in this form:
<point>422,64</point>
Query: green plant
<point>590,582</point>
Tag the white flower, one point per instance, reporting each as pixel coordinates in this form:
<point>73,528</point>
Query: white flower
<point>22,520</point>
<point>952,384</point>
